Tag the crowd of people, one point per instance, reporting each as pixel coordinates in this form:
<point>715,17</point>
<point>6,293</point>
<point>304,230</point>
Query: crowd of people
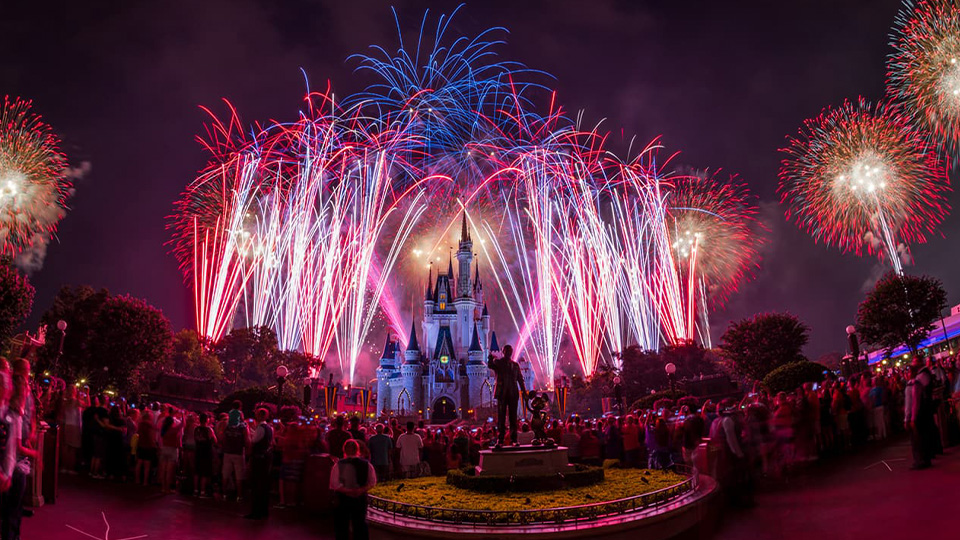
<point>231,457</point>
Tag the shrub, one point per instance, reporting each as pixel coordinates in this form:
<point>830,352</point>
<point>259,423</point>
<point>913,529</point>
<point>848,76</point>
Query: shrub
<point>788,377</point>
<point>578,476</point>
<point>649,402</point>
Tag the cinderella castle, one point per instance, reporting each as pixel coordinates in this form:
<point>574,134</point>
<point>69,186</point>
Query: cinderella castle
<point>444,376</point>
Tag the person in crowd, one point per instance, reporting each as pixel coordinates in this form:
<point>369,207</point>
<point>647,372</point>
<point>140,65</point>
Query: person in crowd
<point>730,468</point>
<point>22,442</point>
<point>555,431</point>
<point>571,440</point>
<point>693,427</point>
<point>96,416</point>
<point>410,445</point>
<point>204,439</point>
<point>631,442</point>
<point>381,448</point>
<point>233,444</point>
<point>146,447</point>
<point>73,405</point>
<point>612,439</point>
<point>356,432</point>
<point>919,414</point>
<point>350,479</point>
<point>294,447</point>
<point>130,423</point>
<point>841,414</point>
<point>189,451</point>
<point>526,435</point>
<point>336,437</point>
<point>114,430</point>
<point>10,430</point>
<point>171,435</point>
<point>261,457</point>
<point>876,397</point>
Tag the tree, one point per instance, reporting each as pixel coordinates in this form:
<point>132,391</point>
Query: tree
<point>248,356</point>
<point>16,300</point>
<point>900,310</point>
<point>758,345</point>
<point>188,357</point>
<point>129,343</point>
<point>789,377</point>
<point>643,371</point>
<point>80,308</point>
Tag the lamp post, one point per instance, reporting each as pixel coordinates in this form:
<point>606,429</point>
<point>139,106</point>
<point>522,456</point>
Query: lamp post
<point>854,366</point>
<point>282,372</point>
<point>62,326</point>
<point>671,370</point>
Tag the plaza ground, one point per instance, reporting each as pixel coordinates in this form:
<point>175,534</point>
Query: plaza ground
<point>869,495</point>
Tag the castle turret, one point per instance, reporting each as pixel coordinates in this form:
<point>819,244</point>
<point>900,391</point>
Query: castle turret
<point>475,353</point>
<point>386,372</point>
<point>477,372</point>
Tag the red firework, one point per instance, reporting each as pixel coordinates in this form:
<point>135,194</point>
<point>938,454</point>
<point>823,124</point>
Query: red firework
<point>862,178</point>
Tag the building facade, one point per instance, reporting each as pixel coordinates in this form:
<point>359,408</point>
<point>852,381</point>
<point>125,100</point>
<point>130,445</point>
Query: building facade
<point>442,374</point>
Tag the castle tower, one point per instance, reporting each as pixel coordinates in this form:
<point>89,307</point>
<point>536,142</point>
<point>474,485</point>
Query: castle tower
<point>428,295</point>
<point>412,354</point>
<point>477,372</point>
<point>411,383</point>
<point>465,257</point>
<point>386,372</point>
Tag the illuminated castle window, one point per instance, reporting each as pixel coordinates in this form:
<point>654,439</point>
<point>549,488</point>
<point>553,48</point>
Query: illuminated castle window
<point>444,359</point>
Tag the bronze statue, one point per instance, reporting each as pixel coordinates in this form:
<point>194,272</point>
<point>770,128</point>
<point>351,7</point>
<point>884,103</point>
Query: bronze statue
<point>536,403</point>
<point>508,391</point>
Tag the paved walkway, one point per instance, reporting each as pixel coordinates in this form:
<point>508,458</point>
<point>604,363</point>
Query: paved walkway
<point>872,494</point>
<point>133,512</point>
<point>850,498</point>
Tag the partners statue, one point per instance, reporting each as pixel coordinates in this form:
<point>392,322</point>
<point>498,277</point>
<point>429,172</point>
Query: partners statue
<point>507,393</point>
<point>536,403</point>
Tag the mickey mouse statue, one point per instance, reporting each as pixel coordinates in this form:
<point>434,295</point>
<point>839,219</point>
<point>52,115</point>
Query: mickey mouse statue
<point>536,403</point>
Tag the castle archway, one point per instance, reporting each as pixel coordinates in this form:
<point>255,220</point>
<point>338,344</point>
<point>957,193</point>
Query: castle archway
<point>443,410</point>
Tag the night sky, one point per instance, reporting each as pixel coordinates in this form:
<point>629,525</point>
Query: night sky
<point>722,82</point>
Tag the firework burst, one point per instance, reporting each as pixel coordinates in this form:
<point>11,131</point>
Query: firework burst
<point>33,182</point>
<point>860,178</point>
<point>924,69</point>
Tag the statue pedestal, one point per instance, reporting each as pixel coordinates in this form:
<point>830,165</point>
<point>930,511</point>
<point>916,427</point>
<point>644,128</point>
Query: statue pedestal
<point>524,461</point>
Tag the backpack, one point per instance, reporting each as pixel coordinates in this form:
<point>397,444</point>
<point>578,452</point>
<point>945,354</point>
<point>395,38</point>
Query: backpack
<point>234,439</point>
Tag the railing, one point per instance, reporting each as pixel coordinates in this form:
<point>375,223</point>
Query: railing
<point>549,516</point>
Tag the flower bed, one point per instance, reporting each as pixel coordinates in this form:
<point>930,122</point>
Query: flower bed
<point>621,491</point>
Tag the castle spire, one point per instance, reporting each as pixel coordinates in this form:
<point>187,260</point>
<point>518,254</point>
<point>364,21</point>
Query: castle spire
<point>475,342</point>
<point>494,346</point>
<point>464,233</point>
<point>388,348</point>
<point>413,345</point>
<point>427,295</point>
<point>476,278</point>
<point>450,268</point>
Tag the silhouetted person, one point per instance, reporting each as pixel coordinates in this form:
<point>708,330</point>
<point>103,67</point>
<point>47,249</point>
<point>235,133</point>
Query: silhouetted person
<point>508,392</point>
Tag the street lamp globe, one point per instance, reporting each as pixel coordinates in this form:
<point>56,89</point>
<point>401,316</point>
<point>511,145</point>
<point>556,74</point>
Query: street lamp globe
<point>282,371</point>
<point>62,325</point>
<point>670,368</point>
<point>851,330</point>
